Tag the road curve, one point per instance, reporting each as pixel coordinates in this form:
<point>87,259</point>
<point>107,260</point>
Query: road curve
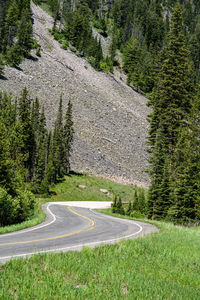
<point>70,227</point>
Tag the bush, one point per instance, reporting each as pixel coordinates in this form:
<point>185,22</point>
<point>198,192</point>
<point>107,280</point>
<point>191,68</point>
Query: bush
<point>136,214</point>
<point>35,44</point>
<point>38,52</point>
<point>26,202</point>
<point>15,210</point>
<point>72,48</point>
<point>1,65</point>
<point>117,206</point>
<point>5,208</point>
<point>56,35</point>
<point>13,56</point>
<point>65,45</point>
<point>106,65</point>
<point>92,61</point>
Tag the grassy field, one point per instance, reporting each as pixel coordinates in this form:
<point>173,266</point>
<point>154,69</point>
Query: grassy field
<point>164,265</point>
<point>68,190</point>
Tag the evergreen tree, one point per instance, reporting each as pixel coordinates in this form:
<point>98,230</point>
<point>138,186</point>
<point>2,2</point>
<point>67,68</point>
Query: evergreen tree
<point>24,33</point>
<point>135,199</point>
<point>1,65</point>
<point>129,209</point>
<point>186,183</point>
<point>171,104</point>
<point>6,173</point>
<point>114,206</point>
<point>68,133</point>
<point>58,142</point>
<point>50,171</point>
<point>175,86</point>
<point>28,145</point>
<point>40,156</point>
<point>119,207</point>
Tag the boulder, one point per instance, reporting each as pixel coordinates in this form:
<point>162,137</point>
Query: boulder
<point>82,187</point>
<point>106,192</point>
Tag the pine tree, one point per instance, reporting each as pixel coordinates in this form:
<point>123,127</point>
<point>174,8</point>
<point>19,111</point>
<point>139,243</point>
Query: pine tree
<point>11,19</point>
<point>186,183</point>
<point>1,65</point>
<point>24,33</point>
<point>68,136</point>
<point>129,209</point>
<point>171,104</point>
<point>40,161</point>
<point>119,207</point>
<point>175,86</point>
<point>28,141</point>
<point>6,173</point>
<point>58,142</point>
<point>50,171</point>
<point>135,199</point>
<point>114,205</point>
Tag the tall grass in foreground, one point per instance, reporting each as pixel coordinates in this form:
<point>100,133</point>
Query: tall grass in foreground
<point>164,265</point>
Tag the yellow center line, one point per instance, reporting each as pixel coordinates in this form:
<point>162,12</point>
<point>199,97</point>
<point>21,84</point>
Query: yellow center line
<point>93,225</point>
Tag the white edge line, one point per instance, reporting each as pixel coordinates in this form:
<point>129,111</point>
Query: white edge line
<point>76,246</point>
<point>25,230</point>
<point>33,228</point>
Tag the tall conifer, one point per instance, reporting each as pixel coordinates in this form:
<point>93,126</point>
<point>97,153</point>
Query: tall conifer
<point>68,133</point>
<point>171,106</point>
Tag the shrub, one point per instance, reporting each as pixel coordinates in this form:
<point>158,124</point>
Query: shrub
<point>136,214</point>
<point>73,49</point>
<point>8,208</point>
<point>35,44</point>
<point>92,61</point>
<point>65,45</point>
<point>117,206</point>
<point>38,52</point>
<point>1,65</point>
<point>106,65</point>
<point>26,202</point>
<point>15,210</point>
<point>5,207</point>
<point>13,56</point>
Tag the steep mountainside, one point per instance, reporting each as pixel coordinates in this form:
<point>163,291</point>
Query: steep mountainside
<point>109,117</point>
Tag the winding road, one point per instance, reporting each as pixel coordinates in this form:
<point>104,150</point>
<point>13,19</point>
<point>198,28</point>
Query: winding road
<point>70,226</point>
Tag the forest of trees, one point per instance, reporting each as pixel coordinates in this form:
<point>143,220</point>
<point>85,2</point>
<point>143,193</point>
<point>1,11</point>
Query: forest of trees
<point>174,135</point>
<point>32,158</point>
<point>139,31</point>
<point>16,32</point>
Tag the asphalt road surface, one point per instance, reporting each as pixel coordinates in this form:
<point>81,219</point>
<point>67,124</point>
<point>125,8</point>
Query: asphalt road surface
<point>70,228</point>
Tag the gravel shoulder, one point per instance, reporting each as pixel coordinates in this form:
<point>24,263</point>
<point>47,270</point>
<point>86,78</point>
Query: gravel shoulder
<point>109,117</point>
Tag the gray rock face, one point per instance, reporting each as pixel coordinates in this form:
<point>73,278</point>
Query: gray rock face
<point>109,117</point>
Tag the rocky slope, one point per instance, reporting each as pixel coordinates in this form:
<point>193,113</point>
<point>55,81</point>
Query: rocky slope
<point>109,117</point>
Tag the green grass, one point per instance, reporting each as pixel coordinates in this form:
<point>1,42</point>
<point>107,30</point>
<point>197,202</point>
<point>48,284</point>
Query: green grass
<point>164,265</point>
<point>68,189</point>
